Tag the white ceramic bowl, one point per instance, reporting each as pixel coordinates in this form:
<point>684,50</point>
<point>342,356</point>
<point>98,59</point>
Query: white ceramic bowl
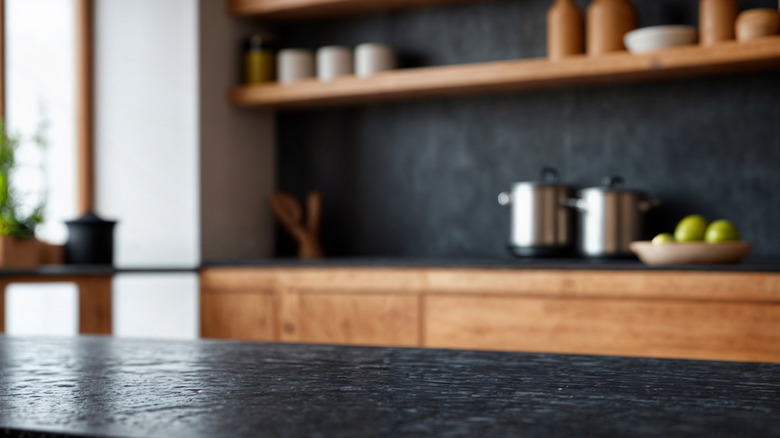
<point>652,38</point>
<point>690,253</point>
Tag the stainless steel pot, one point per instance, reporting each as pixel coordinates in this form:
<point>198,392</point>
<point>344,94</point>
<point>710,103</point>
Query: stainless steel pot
<point>610,218</point>
<point>542,223</point>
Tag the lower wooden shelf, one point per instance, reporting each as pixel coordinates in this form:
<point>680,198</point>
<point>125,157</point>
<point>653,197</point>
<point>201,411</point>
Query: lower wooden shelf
<point>513,76</point>
<point>674,314</point>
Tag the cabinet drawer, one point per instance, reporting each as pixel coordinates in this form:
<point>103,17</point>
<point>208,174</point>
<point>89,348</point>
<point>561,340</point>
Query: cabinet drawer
<point>358,318</point>
<point>237,315</point>
<point>679,329</point>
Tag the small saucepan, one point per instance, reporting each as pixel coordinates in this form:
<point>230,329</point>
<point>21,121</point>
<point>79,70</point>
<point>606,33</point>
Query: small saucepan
<point>610,218</point>
<point>542,223</point>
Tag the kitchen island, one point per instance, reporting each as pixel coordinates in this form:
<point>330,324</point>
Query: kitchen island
<point>101,386</point>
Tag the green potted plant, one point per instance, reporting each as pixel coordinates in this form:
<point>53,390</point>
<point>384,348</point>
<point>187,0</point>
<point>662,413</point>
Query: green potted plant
<point>18,247</point>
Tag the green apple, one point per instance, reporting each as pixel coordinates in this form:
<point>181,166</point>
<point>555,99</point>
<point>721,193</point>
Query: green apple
<point>721,231</point>
<point>691,229</point>
<point>663,238</point>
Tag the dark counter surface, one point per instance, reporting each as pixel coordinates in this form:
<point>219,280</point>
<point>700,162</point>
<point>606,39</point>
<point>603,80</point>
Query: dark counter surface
<point>87,270</point>
<point>92,386</point>
<point>749,265</point>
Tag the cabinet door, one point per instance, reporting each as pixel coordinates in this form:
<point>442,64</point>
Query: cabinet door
<point>358,318</point>
<point>238,315</point>
<point>661,328</point>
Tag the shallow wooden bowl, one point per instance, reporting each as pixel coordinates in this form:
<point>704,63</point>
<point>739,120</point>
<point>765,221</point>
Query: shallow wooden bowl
<point>690,253</point>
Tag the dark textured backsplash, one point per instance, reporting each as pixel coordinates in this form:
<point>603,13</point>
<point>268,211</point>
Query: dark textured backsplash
<point>420,178</point>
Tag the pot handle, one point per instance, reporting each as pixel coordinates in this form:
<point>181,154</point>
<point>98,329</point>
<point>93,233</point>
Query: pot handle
<point>504,199</point>
<point>612,181</point>
<point>646,206</point>
<point>576,203</point>
<point>550,175</point>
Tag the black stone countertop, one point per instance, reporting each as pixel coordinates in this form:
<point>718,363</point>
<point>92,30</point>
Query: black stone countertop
<point>93,386</point>
<point>86,270</point>
<point>748,265</point>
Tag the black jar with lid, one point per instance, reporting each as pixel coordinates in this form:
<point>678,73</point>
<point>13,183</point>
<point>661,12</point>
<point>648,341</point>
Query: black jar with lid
<point>90,241</point>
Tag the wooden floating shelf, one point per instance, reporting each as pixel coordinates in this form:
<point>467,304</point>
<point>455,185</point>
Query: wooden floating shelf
<point>513,76</point>
<point>310,9</point>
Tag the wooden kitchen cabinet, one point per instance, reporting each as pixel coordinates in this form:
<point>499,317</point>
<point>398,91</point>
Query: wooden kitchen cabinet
<point>322,316</point>
<point>696,330</point>
<point>243,315</point>
<point>676,314</point>
<point>325,306</point>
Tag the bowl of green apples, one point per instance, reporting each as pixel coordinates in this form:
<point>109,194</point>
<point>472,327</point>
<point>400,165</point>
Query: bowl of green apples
<point>695,242</point>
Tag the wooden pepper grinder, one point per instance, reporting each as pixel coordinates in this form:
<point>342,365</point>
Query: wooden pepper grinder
<point>289,212</point>
<point>565,30</point>
<point>608,21</point>
<point>716,20</point>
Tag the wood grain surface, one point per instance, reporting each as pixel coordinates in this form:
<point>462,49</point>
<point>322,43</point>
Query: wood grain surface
<point>678,314</point>
<point>85,105</point>
<point>688,285</point>
<point>241,315</point>
<point>359,319</point>
<point>519,75</point>
<point>310,9</point>
<point>653,328</point>
<point>95,305</point>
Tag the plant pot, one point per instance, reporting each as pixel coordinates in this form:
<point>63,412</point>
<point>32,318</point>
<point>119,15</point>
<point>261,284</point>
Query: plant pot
<point>19,252</point>
<point>51,254</point>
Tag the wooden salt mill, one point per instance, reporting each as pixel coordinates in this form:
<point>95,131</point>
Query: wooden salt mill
<point>565,30</point>
<point>608,21</point>
<point>716,20</point>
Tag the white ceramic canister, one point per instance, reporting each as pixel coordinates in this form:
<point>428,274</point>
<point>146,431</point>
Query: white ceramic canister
<point>371,58</point>
<point>334,61</point>
<point>294,64</point>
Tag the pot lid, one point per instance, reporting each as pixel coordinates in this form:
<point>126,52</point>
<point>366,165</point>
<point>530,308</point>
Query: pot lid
<point>90,218</point>
<point>548,177</point>
<point>612,184</point>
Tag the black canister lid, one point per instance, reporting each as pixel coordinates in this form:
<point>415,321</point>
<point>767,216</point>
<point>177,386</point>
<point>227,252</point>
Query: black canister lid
<point>260,42</point>
<point>90,218</point>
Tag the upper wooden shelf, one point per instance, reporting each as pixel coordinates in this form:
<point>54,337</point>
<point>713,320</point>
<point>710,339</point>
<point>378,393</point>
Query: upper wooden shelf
<point>310,9</point>
<point>511,76</point>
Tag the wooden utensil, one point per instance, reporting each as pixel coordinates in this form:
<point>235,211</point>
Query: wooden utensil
<point>756,23</point>
<point>716,20</point>
<point>565,30</point>
<point>290,214</point>
<point>608,21</point>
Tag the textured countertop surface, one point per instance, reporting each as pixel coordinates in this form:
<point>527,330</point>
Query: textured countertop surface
<point>757,264</point>
<point>92,386</point>
<point>92,270</point>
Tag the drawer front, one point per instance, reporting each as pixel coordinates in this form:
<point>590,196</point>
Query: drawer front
<point>237,315</point>
<point>357,318</point>
<point>677,329</point>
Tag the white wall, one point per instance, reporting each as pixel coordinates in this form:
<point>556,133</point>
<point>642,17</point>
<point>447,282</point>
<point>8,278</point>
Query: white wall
<point>147,157</point>
<point>147,128</point>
